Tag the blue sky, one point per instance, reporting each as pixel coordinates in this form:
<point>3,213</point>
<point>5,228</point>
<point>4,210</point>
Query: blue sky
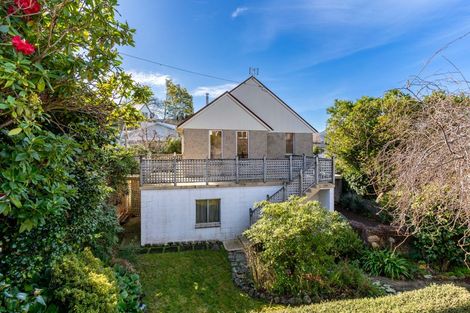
<point>308,52</point>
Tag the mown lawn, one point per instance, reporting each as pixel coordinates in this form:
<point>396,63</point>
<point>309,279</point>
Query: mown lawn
<point>191,281</point>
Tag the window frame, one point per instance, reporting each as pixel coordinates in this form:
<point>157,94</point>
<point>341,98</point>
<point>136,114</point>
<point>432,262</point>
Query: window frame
<point>285,141</point>
<point>208,224</point>
<point>247,143</point>
<point>221,143</point>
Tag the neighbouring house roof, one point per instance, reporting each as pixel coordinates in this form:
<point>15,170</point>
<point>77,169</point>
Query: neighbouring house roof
<point>150,131</point>
<point>258,103</point>
<point>225,112</point>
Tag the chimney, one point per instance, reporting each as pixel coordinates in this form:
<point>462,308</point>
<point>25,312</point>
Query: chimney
<point>207,98</point>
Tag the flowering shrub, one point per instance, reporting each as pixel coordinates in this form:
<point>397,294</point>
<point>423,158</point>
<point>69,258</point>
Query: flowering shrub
<point>300,247</point>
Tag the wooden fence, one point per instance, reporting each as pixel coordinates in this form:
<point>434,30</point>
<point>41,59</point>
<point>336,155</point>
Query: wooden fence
<point>176,171</point>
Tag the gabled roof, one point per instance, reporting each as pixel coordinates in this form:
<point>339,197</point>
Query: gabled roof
<point>259,103</point>
<point>225,112</point>
<point>253,83</point>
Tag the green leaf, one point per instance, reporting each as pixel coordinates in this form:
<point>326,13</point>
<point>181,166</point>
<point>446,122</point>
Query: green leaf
<point>41,84</point>
<point>4,28</point>
<point>16,202</point>
<point>40,300</point>
<point>15,131</point>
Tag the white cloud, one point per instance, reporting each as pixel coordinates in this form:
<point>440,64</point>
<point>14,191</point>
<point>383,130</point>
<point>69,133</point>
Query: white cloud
<point>238,11</point>
<point>152,79</point>
<point>213,91</point>
<point>149,78</point>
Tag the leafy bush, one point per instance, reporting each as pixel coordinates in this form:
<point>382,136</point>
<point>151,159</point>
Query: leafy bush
<point>82,284</point>
<point>130,290</point>
<point>387,263</point>
<point>357,204</point>
<point>438,243</point>
<point>436,299</point>
<point>299,247</point>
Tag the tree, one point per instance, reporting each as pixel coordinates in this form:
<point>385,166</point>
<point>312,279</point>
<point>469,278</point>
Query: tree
<point>178,103</point>
<point>357,131</point>
<point>63,100</point>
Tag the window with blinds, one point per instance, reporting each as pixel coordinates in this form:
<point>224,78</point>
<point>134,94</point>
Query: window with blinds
<point>208,213</point>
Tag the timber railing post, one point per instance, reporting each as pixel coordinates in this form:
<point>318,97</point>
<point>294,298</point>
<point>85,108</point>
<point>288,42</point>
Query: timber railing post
<point>141,171</point>
<point>174,170</point>
<point>317,170</point>
<point>290,167</point>
<point>236,170</point>
<point>333,170</point>
<point>304,162</point>
<point>264,169</point>
<point>206,172</point>
<point>284,191</point>
<point>301,183</point>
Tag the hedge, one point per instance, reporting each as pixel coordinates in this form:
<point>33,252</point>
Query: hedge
<point>436,299</point>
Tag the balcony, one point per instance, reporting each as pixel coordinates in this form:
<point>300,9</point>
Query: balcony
<point>176,171</point>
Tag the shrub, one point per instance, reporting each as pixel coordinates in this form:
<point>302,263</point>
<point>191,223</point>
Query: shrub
<point>82,283</point>
<point>436,299</point>
<point>130,290</point>
<point>386,263</point>
<point>437,242</point>
<point>298,248</point>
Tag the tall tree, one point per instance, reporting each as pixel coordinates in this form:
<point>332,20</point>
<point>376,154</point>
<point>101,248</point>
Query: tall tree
<point>178,103</point>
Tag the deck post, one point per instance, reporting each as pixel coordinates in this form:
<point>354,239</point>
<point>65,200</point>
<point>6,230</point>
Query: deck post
<point>290,167</point>
<point>206,172</point>
<point>236,170</point>
<point>304,161</point>
<point>284,191</point>
<point>301,182</point>
<point>174,170</point>
<point>316,170</point>
<point>333,170</point>
<point>264,169</point>
<point>141,171</point>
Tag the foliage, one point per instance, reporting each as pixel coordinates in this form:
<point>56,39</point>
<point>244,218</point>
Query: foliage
<point>172,145</point>
<point>436,299</point>
<point>357,131</point>
<point>130,290</point>
<point>301,245</point>
<point>178,102</point>
<point>196,281</point>
<point>83,284</point>
<point>62,104</point>
<point>438,243</point>
<point>386,263</point>
<point>13,300</point>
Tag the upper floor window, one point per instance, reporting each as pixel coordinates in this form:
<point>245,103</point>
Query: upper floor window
<point>242,144</point>
<point>290,143</point>
<point>215,144</point>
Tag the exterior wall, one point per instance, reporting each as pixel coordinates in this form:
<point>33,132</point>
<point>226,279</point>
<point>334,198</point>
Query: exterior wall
<point>276,145</point>
<point>169,215</point>
<point>229,144</point>
<point>257,144</point>
<point>196,143</point>
<point>326,198</point>
<point>303,144</point>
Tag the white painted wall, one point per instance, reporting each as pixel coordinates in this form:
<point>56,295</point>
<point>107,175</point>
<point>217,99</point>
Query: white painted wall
<point>326,197</point>
<point>169,215</point>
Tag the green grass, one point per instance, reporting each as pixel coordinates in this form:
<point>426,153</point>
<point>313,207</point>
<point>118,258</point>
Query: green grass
<point>191,281</point>
<point>435,299</point>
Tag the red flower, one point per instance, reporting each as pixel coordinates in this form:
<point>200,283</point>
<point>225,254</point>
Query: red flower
<point>21,45</point>
<point>11,10</point>
<point>28,6</point>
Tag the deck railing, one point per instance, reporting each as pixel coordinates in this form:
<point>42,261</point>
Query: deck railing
<point>177,171</point>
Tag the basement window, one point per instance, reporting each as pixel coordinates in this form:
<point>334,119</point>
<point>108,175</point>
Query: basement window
<point>207,213</point>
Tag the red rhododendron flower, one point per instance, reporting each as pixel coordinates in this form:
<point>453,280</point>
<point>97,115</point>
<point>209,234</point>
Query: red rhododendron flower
<point>11,10</point>
<point>21,45</point>
<point>28,6</point>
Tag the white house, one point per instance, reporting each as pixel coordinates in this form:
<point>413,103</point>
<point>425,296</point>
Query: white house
<point>149,132</point>
<point>245,146</point>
